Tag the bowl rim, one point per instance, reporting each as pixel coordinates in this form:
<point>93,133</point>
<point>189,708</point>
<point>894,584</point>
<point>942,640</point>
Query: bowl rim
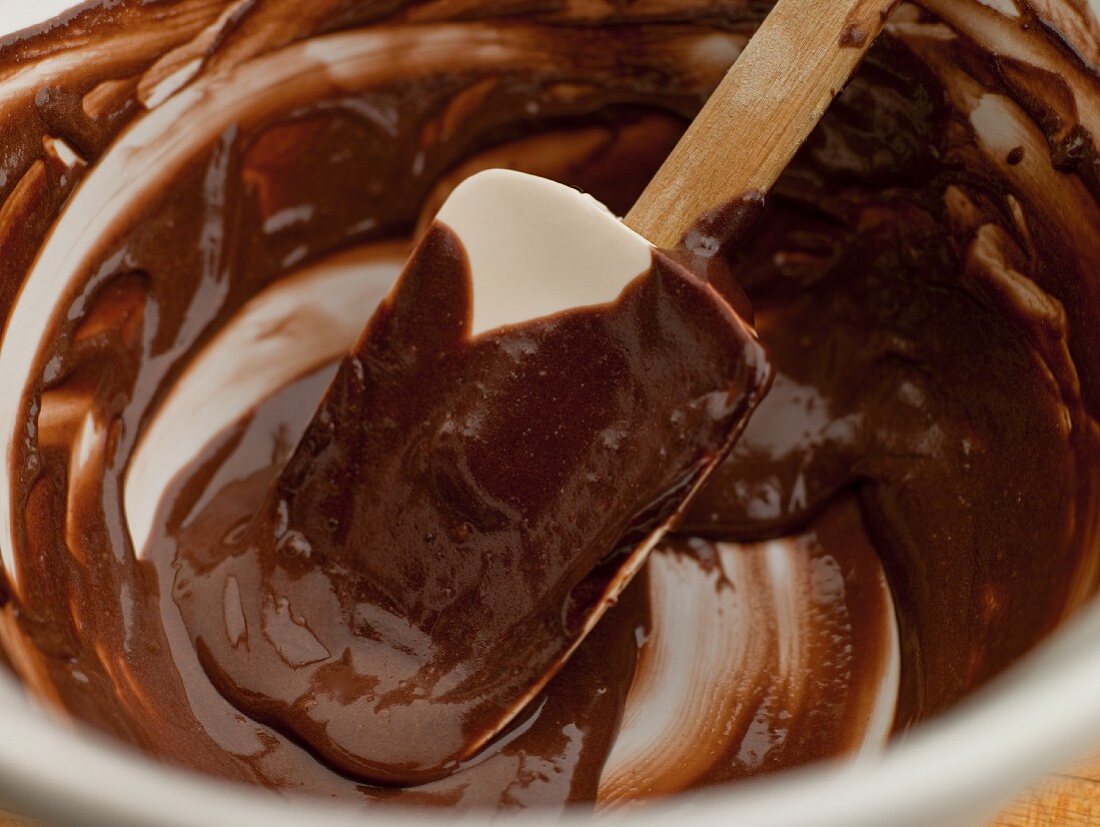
<point>1041,713</point>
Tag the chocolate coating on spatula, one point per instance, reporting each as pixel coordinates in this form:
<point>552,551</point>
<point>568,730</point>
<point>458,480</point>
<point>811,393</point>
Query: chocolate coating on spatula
<point>460,509</point>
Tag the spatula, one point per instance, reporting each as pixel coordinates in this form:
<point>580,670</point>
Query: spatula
<point>521,422</point>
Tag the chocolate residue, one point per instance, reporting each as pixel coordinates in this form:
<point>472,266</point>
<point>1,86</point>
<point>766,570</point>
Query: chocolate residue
<point>708,246</point>
<point>206,200</point>
<point>853,37</point>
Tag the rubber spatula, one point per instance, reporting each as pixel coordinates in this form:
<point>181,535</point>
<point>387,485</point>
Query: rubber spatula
<point>522,420</point>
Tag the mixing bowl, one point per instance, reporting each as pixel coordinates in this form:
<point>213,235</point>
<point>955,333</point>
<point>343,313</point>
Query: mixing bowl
<point>956,769</point>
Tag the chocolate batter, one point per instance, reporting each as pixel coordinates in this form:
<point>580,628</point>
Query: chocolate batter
<point>202,199</point>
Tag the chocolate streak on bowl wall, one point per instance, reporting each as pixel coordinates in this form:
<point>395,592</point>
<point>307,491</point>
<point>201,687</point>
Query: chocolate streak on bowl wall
<point>926,281</point>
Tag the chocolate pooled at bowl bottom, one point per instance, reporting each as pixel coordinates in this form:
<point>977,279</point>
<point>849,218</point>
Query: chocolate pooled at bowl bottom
<point>201,208</point>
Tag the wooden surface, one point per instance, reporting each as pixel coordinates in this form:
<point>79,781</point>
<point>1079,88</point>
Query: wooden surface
<point>759,116</point>
<point>1068,799</point>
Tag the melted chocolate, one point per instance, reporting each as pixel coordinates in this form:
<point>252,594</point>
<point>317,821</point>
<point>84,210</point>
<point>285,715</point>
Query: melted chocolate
<point>459,510</point>
<point>924,276</point>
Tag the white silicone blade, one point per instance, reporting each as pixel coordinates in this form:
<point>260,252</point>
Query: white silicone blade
<point>537,247</point>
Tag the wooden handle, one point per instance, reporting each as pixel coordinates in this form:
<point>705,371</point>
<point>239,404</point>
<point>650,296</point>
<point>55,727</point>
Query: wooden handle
<point>761,113</point>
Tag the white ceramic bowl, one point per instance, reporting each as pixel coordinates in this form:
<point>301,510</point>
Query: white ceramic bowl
<point>956,770</point>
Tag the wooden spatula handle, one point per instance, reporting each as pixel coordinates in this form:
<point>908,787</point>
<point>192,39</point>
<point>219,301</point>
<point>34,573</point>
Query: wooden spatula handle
<point>761,113</point>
